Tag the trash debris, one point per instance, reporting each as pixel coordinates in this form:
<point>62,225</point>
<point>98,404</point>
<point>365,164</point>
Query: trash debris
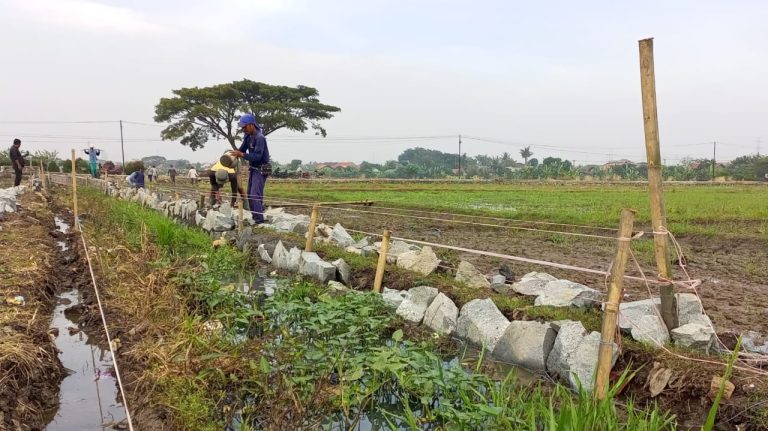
<point>16,300</point>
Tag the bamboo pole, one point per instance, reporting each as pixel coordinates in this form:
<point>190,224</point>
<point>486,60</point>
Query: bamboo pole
<point>382,262</point>
<point>240,210</point>
<point>312,226</point>
<point>202,200</point>
<point>74,192</point>
<point>610,314</point>
<point>42,177</point>
<point>655,188</point>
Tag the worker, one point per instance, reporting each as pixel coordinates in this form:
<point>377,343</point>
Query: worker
<point>172,174</point>
<point>254,149</point>
<point>192,175</point>
<point>93,153</point>
<point>136,179</point>
<point>152,173</point>
<point>219,175</point>
<point>18,161</point>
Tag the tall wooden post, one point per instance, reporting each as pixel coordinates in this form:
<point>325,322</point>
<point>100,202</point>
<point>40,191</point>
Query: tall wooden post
<point>610,314</point>
<point>240,211</point>
<point>43,178</point>
<point>74,192</point>
<point>202,200</point>
<point>312,226</point>
<point>655,188</point>
<point>382,262</point>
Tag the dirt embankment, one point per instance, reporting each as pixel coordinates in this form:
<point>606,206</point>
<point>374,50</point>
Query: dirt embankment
<point>32,267</point>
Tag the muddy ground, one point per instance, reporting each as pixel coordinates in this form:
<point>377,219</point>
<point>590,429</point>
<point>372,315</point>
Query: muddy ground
<point>31,266</point>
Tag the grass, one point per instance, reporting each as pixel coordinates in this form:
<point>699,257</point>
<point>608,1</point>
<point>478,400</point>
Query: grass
<point>691,209</point>
<point>312,356</point>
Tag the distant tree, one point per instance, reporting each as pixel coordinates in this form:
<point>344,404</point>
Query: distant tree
<point>526,153</point>
<point>533,162</point>
<point>198,114</point>
<point>133,166</point>
<point>295,164</point>
<point>81,166</point>
<point>53,166</point>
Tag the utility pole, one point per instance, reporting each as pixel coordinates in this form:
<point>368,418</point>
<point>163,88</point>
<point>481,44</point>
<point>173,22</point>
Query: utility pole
<point>122,147</point>
<point>714,153</point>
<point>459,156</point>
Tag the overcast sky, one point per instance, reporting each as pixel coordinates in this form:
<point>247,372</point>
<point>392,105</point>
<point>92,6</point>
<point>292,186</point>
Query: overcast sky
<point>561,76</point>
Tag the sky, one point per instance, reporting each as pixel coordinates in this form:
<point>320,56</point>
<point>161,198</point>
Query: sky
<point>560,76</point>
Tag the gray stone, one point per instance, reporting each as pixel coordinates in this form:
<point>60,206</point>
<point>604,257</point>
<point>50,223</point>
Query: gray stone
<point>526,344</point>
<point>498,284</point>
<point>754,342</point>
<point>264,254</point>
<point>569,336</point>
<point>311,265</point>
<point>280,256</point>
<point>367,251</point>
<point>564,293</point>
<point>423,262</point>
<point>694,336</point>
<point>689,308</point>
<point>538,276</point>
<point>583,362</point>
<point>441,315</point>
<point>226,209</point>
<point>8,200</point>
<point>415,305</point>
<point>480,322</point>
<point>630,313</point>
<point>199,219</point>
<point>301,227</point>
<point>294,259</point>
<point>506,270</point>
<point>467,273</point>
<point>271,213</point>
<point>530,287</point>
<point>336,286</point>
<point>217,222</point>
<point>650,329</point>
<point>396,248</point>
<point>393,297</point>
<point>340,235</point>
<point>244,239</point>
<point>343,271</point>
<point>365,242</point>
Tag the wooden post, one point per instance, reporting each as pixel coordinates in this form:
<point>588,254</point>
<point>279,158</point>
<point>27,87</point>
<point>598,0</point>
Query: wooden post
<point>42,177</point>
<point>74,192</point>
<point>240,210</point>
<point>655,189</point>
<point>202,200</point>
<point>382,262</point>
<point>312,226</point>
<point>610,314</point>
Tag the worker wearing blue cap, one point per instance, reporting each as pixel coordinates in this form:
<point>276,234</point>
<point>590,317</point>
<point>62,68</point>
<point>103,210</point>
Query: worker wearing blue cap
<point>254,150</point>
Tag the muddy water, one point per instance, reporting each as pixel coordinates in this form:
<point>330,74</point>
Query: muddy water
<point>88,399</point>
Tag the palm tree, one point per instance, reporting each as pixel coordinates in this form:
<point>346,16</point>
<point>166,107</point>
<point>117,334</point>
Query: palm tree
<point>525,153</point>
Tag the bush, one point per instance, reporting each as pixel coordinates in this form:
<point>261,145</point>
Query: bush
<point>53,167</point>
<point>133,166</point>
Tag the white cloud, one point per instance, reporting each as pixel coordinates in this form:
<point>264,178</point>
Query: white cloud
<point>88,15</point>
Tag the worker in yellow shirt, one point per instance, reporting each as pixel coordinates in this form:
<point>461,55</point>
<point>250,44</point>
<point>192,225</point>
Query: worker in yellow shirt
<point>218,176</point>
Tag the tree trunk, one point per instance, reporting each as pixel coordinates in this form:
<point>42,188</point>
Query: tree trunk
<point>231,140</point>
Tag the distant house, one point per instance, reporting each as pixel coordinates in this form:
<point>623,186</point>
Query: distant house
<point>618,163</point>
<point>336,165</point>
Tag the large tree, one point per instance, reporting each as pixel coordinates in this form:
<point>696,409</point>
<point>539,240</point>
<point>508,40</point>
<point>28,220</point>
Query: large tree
<point>198,114</point>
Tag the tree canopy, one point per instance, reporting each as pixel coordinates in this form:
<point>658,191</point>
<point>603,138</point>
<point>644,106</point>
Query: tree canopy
<point>196,114</point>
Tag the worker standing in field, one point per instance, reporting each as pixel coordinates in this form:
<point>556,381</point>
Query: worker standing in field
<point>172,173</point>
<point>219,175</point>
<point>17,159</point>
<point>152,173</point>
<point>192,175</point>
<point>254,149</point>
<point>93,154</point>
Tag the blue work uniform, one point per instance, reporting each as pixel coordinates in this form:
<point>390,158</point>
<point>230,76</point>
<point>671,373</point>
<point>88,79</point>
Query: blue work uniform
<point>255,151</point>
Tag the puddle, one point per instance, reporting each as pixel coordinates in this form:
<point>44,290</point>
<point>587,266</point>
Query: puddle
<point>88,396</point>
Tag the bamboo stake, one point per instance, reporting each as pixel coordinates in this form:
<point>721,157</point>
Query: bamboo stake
<point>655,188</point>
<point>240,210</point>
<point>74,191</point>
<point>382,262</point>
<point>312,226</point>
<point>202,200</point>
<point>42,177</point>
<point>610,314</point>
